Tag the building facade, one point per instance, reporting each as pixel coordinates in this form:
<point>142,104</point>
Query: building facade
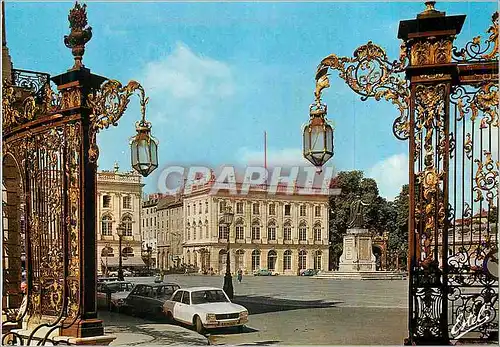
<point>280,232</point>
<point>149,223</point>
<point>119,201</point>
<point>170,232</point>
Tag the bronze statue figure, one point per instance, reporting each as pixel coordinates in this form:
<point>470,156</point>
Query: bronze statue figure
<point>356,214</point>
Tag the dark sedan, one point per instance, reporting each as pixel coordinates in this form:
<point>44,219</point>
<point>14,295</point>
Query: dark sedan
<point>148,299</point>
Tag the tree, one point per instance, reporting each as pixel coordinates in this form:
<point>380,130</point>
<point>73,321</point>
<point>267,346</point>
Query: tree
<point>398,236</point>
<point>379,215</point>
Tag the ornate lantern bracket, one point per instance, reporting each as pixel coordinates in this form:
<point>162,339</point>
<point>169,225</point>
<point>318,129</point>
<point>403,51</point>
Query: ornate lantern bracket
<point>371,74</point>
<point>108,105</point>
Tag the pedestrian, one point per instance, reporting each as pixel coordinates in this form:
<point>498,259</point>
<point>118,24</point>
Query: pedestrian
<point>24,303</point>
<point>240,275</point>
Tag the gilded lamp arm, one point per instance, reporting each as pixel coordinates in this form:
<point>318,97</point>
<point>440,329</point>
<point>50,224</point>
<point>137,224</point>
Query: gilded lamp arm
<point>370,73</point>
<point>108,105</point>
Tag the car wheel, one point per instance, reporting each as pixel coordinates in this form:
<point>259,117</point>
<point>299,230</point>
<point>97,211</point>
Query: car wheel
<point>199,325</point>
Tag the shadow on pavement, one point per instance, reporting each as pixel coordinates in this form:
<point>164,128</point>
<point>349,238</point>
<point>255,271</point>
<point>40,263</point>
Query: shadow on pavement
<point>266,304</point>
<point>230,331</point>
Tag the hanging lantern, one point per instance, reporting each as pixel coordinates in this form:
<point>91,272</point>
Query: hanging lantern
<point>144,149</point>
<point>318,137</point>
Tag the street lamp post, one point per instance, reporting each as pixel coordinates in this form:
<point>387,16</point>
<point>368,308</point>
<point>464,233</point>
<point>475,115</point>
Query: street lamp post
<point>119,231</point>
<point>228,280</point>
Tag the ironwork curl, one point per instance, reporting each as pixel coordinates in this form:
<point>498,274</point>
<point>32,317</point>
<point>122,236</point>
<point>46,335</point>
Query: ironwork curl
<point>371,74</point>
<point>474,51</point>
<point>108,105</point>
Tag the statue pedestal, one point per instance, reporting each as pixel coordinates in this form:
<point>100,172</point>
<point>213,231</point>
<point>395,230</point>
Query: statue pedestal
<point>357,252</point>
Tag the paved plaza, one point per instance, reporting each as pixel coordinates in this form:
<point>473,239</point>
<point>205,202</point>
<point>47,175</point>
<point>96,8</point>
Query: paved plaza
<point>287,310</point>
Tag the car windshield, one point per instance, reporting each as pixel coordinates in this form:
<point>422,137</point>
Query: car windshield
<point>207,296</point>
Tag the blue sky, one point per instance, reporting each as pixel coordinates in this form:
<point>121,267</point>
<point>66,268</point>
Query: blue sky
<point>220,74</point>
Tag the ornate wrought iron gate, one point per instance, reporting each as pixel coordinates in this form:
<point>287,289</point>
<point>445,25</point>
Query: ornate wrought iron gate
<point>49,194</point>
<point>448,106</point>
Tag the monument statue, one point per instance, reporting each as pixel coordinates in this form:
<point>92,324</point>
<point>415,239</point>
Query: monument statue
<point>356,214</point>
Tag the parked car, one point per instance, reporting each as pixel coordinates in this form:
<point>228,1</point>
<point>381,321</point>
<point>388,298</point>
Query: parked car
<point>264,272</point>
<point>205,308</point>
<point>309,272</point>
<point>106,279</point>
<point>119,290</point>
<point>148,299</point>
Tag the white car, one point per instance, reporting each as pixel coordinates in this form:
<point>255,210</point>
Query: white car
<point>205,308</point>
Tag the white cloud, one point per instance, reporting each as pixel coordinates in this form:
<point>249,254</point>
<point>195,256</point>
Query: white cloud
<point>390,174</point>
<point>184,86</point>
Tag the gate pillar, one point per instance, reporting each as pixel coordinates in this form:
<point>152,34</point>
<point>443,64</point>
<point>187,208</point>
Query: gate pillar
<point>429,40</point>
<point>74,86</point>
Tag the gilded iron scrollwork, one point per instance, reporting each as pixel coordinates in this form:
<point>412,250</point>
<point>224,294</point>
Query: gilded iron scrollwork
<point>429,103</point>
<point>486,179</point>
<point>370,73</point>
<point>15,112</point>
<point>108,105</point>
<point>474,51</point>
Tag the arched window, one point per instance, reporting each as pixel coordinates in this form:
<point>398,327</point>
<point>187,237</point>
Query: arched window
<point>255,230</point>
<point>238,259</point>
<point>240,230</point>
<point>287,231</point>
<point>127,224</point>
<point>194,229</point>
<point>222,260</point>
<point>206,229</point>
<point>317,232</point>
<point>188,257</point>
<point>317,260</point>
<point>287,260</point>
<point>255,260</point>
<point>222,206</point>
<point>302,232</point>
<point>302,259</point>
<point>271,231</point>
<point>127,252</point>
<point>107,252</point>
<point>188,231</point>
<point>271,260</point>
<point>106,226</point>
<point>223,230</point>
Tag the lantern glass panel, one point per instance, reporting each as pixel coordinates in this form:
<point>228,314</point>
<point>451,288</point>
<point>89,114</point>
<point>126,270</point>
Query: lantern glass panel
<point>329,139</point>
<point>317,138</point>
<point>154,153</point>
<point>307,140</point>
<point>133,150</point>
<point>144,156</point>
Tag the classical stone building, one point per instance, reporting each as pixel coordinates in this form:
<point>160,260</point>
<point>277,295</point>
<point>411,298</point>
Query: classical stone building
<point>118,200</point>
<point>170,232</point>
<point>279,232</point>
<point>150,226</point>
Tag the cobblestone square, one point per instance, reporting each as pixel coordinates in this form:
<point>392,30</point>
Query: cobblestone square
<point>293,310</point>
